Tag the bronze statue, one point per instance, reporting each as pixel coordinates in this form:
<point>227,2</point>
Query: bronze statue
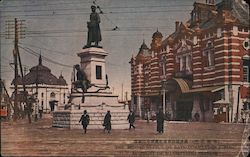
<point>94,31</point>
<point>81,82</point>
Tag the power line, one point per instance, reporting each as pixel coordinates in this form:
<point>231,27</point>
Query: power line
<point>121,29</point>
<point>111,12</point>
<point>54,51</point>
<point>39,5</point>
<point>30,51</point>
<point>74,9</point>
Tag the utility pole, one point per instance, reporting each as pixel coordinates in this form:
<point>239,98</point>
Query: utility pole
<point>18,32</point>
<point>15,116</point>
<point>122,93</point>
<point>36,103</point>
<point>163,62</point>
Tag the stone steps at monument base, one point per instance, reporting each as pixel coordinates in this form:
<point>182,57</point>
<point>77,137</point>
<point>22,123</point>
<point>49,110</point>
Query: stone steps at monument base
<point>70,119</point>
<point>173,148</point>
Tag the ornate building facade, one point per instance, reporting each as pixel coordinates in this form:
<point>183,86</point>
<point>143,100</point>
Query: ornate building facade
<point>48,87</point>
<point>202,68</point>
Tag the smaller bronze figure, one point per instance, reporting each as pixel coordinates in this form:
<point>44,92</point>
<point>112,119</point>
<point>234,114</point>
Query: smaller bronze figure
<point>94,31</point>
<point>81,82</point>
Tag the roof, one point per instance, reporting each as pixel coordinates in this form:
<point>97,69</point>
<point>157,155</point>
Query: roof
<point>205,89</point>
<point>40,74</point>
<point>157,34</point>
<point>144,50</point>
<point>221,102</point>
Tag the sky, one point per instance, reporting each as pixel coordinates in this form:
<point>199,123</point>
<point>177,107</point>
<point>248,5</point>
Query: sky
<point>58,30</point>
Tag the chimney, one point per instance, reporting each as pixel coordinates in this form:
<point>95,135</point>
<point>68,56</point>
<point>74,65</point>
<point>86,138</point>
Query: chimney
<point>177,24</point>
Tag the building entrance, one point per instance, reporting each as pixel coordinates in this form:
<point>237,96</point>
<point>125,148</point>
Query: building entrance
<point>184,110</point>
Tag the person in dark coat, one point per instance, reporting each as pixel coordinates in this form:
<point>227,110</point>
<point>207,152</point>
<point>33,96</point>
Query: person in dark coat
<point>131,120</point>
<point>160,121</point>
<point>107,122</point>
<point>85,121</point>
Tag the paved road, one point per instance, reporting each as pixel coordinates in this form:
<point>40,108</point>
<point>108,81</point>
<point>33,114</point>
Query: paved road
<point>179,139</point>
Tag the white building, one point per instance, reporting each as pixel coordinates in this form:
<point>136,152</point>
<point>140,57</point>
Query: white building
<point>48,86</point>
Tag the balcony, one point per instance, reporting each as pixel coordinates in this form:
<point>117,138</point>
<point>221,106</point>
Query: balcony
<point>184,73</point>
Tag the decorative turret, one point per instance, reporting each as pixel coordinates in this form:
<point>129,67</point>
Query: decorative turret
<point>156,40</point>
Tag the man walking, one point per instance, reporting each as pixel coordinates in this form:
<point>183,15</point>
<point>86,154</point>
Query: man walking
<point>85,121</point>
<point>131,120</point>
<point>107,122</point>
<point>160,121</point>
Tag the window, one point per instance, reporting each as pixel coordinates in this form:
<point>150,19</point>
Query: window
<point>64,96</point>
<point>42,95</point>
<point>98,72</point>
<point>184,63</point>
<point>52,95</point>
<point>42,105</point>
<point>188,63</point>
<point>210,56</point>
<point>246,74</point>
<point>246,44</point>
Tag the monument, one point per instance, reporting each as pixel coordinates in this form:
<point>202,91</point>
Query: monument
<point>90,89</point>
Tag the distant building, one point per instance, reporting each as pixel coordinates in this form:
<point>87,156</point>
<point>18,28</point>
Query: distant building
<point>48,86</point>
<point>204,66</point>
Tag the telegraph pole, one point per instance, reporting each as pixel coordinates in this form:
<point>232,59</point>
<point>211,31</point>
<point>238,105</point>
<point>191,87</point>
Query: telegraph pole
<point>18,32</point>
<point>122,92</point>
<point>15,72</point>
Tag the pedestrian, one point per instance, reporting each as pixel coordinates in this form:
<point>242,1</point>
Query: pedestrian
<point>85,120</point>
<point>131,119</point>
<point>160,121</point>
<point>40,110</point>
<point>107,122</point>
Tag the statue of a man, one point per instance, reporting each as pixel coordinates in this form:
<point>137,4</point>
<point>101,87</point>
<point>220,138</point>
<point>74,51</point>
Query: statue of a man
<point>94,31</point>
<point>82,81</point>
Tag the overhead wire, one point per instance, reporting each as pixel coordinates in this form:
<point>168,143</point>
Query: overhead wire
<point>54,51</point>
<point>30,51</point>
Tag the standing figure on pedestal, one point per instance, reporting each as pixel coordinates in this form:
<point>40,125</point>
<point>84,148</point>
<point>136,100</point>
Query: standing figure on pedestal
<point>94,31</point>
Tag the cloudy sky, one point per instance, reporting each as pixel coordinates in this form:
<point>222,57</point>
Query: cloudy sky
<point>57,29</point>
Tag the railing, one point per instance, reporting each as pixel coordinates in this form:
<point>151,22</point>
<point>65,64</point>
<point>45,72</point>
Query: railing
<point>183,73</point>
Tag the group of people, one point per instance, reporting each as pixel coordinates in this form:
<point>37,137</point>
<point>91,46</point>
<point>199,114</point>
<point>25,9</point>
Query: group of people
<point>131,119</point>
<point>106,122</point>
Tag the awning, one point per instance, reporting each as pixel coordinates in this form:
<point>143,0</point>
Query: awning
<point>183,85</point>
<point>221,102</point>
<point>206,89</point>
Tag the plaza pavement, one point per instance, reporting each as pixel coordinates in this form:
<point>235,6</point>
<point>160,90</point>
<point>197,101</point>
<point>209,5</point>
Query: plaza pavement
<point>180,139</point>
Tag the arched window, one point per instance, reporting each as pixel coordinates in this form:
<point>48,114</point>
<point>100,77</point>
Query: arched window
<point>209,54</point>
<point>52,95</point>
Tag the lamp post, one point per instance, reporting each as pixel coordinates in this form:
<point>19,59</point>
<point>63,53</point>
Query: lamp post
<point>163,62</point>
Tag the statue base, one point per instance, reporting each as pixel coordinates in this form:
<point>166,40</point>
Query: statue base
<point>97,100</point>
<point>97,105</point>
<point>89,46</point>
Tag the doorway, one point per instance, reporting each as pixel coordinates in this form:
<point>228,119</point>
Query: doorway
<point>184,110</point>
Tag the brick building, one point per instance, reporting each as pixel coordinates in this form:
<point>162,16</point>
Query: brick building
<point>200,71</point>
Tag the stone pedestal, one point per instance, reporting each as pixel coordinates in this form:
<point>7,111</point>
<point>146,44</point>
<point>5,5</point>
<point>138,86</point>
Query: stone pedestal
<point>97,102</point>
